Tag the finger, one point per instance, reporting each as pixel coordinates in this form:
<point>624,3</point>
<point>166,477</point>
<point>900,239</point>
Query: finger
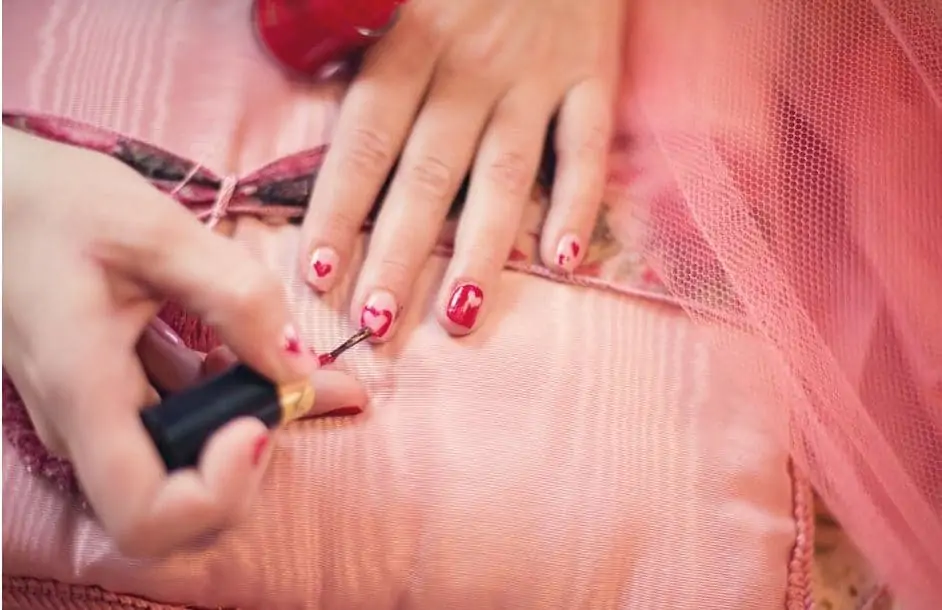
<point>582,142</point>
<point>170,365</point>
<point>163,246</point>
<point>501,182</point>
<point>144,509</point>
<point>218,360</point>
<point>334,390</point>
<point>377,111</point>
<point>150,513</point>
<point>337,391</point>
<point>233,466</point>
<point>435,161</point>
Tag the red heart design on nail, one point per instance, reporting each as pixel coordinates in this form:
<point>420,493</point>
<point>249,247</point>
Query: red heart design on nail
<point>376,320</point>
<point>464,305</point>
<point>474,300</point>
<point>575,249</point>
<point>322,269</point>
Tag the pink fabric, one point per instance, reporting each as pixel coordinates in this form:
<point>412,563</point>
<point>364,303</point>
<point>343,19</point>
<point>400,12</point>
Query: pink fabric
<point>782,160</point>
<point>466,486</point>
<point>391,514</point>
<point>790,153</point>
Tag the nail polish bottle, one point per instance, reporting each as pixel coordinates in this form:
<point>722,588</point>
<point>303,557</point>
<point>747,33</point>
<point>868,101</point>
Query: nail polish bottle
<point>181,424</point>
<point>307,37</point>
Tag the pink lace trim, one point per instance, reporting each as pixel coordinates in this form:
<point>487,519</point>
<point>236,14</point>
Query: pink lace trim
<point>798,593</point>
<point>30,593</point>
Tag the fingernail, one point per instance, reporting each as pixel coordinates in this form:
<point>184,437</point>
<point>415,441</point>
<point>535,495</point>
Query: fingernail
<point>323,268</point>
<point>164,331</point>
<point>258,449</point>
<point>292,341</point>
<point>464,305</point>
<point>344,411</point>
<point>321,359</point>
<point>567,253</point>
<point>379,313</point>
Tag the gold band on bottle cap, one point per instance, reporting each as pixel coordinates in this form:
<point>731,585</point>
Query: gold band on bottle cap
<point>296,400</point>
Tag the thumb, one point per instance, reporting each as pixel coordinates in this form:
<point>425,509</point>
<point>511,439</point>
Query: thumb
<point>166,248</point>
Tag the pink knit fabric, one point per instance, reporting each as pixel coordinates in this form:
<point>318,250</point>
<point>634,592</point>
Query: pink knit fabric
<point>776,174</point>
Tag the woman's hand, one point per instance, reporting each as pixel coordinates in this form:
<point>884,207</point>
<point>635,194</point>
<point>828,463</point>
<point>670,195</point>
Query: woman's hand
<point>453,86</point>
<point>91,250</point>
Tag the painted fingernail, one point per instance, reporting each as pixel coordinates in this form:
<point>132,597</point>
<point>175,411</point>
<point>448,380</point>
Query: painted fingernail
<point>567,253</point>
<point>379,313</point>
<point>258,449</point>
<point>292,341</point>
<point>165,332</point>
<point>323,268</point>
<point>344,411</point>
<point>465,303</point>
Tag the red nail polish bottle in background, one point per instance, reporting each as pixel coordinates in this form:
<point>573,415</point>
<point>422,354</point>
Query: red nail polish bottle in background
<point>309,36</point>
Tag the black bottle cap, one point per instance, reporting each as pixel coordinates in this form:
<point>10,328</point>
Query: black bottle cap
<point>182,423</point>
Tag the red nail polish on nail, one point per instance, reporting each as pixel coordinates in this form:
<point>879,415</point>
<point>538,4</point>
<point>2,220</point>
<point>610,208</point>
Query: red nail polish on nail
<point>292,342</point>
<point>344,411</point>
<point>258,450</point>
<point>464,305</point>
<point>322,269</point>
<point>378,313</point>
<point>165,332</point>
<point>323,265</point>
<point>567,254</point>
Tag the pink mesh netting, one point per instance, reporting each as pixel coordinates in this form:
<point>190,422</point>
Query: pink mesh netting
<point>791,157</point>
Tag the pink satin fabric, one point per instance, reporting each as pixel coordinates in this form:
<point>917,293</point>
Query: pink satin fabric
<point>588,448</point>
<point>519,468</point>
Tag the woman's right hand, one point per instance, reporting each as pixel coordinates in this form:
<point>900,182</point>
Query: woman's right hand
<point>91,252</point>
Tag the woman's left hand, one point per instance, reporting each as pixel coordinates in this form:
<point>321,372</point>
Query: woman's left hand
<point>458,87</point>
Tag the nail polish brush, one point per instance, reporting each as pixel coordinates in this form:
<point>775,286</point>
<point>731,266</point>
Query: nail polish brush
<point>182,423</point>
<point>330,357</point>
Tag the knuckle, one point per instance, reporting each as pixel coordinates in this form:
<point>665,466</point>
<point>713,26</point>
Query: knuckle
<point>478,54</point>
<point>492,258</point>
<point>511,173</point>
<point>143,239</point>
<point>340,222</point>
<point>133,539</point>
<point>395,272</point>
<point>594,142</point>
<point>368,151</point>
<point>430,176</point>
